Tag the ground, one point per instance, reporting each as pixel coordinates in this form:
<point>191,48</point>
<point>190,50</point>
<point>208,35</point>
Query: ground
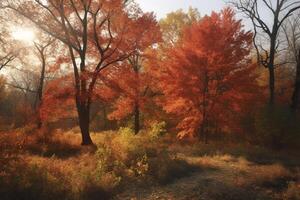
<point>224,176</point>
<point>123,166</point>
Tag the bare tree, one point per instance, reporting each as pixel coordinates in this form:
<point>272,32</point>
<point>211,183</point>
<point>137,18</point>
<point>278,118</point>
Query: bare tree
<point>42,47</point>
<point>7,55</point>
<point>291,30</point>
<point>6,59</point>
<point>281,10</point>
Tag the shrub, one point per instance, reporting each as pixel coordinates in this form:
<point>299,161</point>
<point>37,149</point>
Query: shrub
<point>123,154</point>
<point>126,146</point>
<point>276,127</point>
<point>104,160</point>
<point>92,191</point>
<point>107,162</point>
<point>165,169</point>
<point>292,192</point>
<point>26,182</point>
<point>141,166</point>
<point>157,130</point>
<point>98,185</point>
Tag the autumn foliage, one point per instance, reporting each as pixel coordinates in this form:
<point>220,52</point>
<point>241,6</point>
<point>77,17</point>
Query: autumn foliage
<point>115,64</point>
<point>208,76</point>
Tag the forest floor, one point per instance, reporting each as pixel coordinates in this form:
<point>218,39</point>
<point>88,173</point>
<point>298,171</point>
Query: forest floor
<point>118,169</point>
<point>225,176</point>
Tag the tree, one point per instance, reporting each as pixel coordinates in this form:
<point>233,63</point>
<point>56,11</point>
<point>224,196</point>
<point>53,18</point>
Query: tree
<point>280,11</point>
<point>131,86</point>
<point>42,47</point>
<point>291,30</point>
<point>173,24</point>
<point>133,82</point>
<point>208,76</point>
<point>7,55</point>
<point>98,34</point>
<point>29,70</point>
<point>6,58</point>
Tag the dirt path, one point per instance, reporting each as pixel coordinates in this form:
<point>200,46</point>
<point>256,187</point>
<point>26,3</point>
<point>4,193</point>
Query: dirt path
<point>218,183</point>
<point>184,188</point>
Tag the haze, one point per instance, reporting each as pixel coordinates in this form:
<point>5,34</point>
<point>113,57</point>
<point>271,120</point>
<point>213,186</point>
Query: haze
<point>161,8</point>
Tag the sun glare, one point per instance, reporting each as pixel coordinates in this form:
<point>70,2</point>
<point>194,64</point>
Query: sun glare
<point>23,34</point>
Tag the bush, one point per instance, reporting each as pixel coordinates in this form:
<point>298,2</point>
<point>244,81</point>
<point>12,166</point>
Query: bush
<point>165,169</point>
<point>126,154</point>
<point>122,154</point>
<point>126,146</point>
<point>104,160</point>
<point>292,192</point>
<point>277,127</point>
<point>157,130</point>
<point>26,182</point>
<point>108,167</point>
<point>98,184</point>
<point>141,166</point>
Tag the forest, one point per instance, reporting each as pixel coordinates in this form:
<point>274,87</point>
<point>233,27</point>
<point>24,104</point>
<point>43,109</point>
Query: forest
<point>100,99</point>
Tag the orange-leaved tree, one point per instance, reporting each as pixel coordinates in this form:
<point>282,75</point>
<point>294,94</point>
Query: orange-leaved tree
<point>208,75</point>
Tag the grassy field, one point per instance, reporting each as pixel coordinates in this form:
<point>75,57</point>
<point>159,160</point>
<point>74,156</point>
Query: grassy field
<point>124,166</point>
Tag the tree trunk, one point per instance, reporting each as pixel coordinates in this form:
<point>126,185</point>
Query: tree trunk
<point>295,97</point>
<point>272,71</point>
<point>203,135</point>
<point>39,95</point>
<point>105,121</point>
<point>84,124</point>
<point>204,114</point>
<point>136,69</point>
<point>272,85</point>
<point>206,138</point>
<point>136,119</point>
<point>84,100</point>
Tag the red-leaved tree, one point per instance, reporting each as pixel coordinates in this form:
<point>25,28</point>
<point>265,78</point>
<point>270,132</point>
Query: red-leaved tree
<point>132,82</point>
<point>208,76</point>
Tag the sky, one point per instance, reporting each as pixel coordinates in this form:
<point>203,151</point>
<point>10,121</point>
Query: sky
<point>162,7</point>
<point>205,7</point>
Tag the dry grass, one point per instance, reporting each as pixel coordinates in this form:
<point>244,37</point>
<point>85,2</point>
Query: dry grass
<point>55,166</point>
<point>234,176</point>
